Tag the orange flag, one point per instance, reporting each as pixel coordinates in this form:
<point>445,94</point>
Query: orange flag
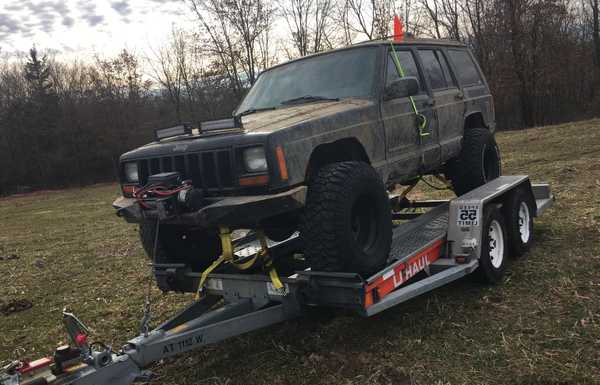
<point>398,29</point>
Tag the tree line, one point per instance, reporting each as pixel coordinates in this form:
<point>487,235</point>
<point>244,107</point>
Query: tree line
<point>66,122</point>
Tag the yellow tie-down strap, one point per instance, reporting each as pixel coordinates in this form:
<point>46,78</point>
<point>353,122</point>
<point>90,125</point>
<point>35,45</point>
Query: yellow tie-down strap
<point>227,248</point>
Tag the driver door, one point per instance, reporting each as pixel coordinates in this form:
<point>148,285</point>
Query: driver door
<point>404,144</point>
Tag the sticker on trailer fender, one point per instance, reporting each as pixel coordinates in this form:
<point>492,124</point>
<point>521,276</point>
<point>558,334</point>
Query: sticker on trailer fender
<point>272,290</point>
<point>468,215</point>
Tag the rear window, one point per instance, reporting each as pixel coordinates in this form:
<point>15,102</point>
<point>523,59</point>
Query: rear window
<point>433,69</point>
<point>466,71</point>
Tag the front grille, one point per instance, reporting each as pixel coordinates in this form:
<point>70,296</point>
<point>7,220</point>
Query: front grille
<point>210,170</point>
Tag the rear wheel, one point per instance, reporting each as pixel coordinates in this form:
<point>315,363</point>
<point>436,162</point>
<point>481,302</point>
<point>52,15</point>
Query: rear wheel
<point>347,225</point>
<point>477,163</point>
<point>518,211</point>
<point>492,262</point>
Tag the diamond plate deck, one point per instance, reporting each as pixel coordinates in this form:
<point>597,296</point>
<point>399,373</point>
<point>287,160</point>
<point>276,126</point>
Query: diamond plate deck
<point>408,238</point>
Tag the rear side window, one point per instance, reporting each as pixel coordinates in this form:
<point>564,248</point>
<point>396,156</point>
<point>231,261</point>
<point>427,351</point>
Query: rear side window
<point>466,71</point>
<point>433,69</point>
<point>409,66</point>
<point>446,69</point>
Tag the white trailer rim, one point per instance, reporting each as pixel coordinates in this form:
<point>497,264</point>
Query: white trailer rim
<point>496,246</point>
<point>524,222</point>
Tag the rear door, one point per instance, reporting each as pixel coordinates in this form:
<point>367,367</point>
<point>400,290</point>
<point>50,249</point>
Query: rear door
<point>448,104</point>
<point>404,144</point>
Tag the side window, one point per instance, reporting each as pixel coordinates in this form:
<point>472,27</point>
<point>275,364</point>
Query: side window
<point>466,71</point>
<point>445,69</point>
<point>433,69</point>
<point>409,66</point>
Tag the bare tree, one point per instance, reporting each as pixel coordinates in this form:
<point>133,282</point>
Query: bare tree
<point>595,5</point>
<point>309,24</point>
<point>234,28</point>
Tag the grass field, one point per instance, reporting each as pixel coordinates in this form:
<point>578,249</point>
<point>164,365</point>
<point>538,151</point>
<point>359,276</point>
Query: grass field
<point>540,326</point>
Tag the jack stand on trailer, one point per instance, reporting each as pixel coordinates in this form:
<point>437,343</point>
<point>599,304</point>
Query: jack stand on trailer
<point>471,233</point>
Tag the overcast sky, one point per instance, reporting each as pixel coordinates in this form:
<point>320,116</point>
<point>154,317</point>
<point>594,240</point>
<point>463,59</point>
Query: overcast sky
<point>82,28</point>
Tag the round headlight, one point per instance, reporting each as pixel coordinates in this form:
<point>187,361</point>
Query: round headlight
<point>255,160</point>
<point>131,172</point>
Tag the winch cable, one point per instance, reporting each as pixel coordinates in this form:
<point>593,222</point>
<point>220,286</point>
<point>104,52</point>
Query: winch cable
<point>420,118</point>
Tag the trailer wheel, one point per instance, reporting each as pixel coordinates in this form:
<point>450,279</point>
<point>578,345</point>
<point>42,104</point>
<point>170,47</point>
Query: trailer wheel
<point>519,211</point>
<point>346,225</point>
<point>492,262</point>
<point>477,163</point>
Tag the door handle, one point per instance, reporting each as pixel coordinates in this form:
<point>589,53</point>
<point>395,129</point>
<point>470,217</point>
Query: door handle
<point>430,103</point>
<point>459,96</point>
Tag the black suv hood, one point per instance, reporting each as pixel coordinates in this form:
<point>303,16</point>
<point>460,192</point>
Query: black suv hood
<point>257,127</point>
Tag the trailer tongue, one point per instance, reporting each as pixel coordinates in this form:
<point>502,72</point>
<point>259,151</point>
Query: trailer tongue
<point>471,233</point>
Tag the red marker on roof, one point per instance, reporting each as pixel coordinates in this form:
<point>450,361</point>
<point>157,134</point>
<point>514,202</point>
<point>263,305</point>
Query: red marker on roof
<point>398,29</point>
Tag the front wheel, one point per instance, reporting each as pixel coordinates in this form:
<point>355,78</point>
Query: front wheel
<point>347,225</point>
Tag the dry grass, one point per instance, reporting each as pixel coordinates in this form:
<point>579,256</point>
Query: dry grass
<point>541,326</point>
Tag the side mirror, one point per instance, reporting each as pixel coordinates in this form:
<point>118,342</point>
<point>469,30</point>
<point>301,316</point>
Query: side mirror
<point>402,88</point>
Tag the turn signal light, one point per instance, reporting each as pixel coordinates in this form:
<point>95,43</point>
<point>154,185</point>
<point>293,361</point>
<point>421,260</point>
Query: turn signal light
<point>254,180</point>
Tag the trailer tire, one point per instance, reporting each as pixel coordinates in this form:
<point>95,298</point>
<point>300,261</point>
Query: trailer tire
<point>492,262</point>
<point>346,225</point>
<point>519,212</point>
<point>477,163</point>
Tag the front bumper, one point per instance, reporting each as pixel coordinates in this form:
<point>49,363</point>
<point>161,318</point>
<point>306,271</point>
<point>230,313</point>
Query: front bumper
<point>228,211</point>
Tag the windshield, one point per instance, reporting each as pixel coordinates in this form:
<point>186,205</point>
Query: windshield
<point>340,74</point>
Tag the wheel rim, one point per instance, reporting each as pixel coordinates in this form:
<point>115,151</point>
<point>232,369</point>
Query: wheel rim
<point>496,244</point>
<point>490,163</point>
<point>524,222</point>
<point>363,224</point>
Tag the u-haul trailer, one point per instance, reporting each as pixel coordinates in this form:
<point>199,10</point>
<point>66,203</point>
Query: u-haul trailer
<point>474,233</point>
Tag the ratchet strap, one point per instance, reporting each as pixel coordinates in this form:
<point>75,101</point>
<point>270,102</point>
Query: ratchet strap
<point>421,119</point>
<point>227,255</point>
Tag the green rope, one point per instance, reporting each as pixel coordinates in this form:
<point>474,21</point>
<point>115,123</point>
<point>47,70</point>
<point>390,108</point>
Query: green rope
<point>421,119</point>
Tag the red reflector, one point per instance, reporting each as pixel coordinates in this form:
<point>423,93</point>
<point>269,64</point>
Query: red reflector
<point>80,339</point>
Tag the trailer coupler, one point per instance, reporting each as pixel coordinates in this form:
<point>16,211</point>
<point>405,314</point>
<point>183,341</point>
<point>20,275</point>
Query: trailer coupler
<point>201,323</point>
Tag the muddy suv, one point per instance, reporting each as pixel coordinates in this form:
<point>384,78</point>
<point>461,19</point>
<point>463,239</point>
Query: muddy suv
<point>314,148</point>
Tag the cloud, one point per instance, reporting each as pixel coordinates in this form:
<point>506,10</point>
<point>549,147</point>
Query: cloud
<point>121,7</point>
<point>8,26</point>
<point>88,13</point>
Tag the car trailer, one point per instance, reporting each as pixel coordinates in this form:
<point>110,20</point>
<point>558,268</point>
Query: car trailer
<point>473,233</point>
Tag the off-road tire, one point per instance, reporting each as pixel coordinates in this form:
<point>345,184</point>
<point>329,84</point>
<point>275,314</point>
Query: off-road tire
<point>346,225</point>
<point>492,265</point>
<point>519,212</point>
<point>477,163</point>
<point>176,244</point>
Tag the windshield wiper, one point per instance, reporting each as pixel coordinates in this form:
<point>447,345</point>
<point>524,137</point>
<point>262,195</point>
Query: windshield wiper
<point>308,98</point>
<point>253,110</point>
